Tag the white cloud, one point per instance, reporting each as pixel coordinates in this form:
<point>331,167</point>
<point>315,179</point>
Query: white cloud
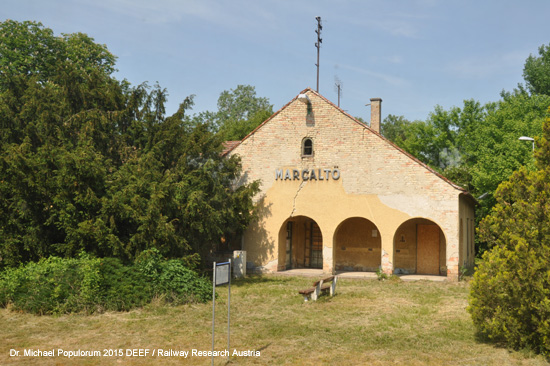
<point>398,27</point>
<point>484,66</point>
<point>398,18</point>
<point>240,14</point>
<point>390,79</point>
<point>395,59</point>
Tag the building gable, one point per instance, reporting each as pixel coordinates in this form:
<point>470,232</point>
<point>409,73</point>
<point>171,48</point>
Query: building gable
<point>365,159</point>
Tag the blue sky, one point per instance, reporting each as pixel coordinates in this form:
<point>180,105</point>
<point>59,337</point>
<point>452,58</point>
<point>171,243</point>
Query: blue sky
<point>414,54</point>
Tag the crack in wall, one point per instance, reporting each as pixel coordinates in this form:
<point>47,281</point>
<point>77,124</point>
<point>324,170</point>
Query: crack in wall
<point>302,184</point>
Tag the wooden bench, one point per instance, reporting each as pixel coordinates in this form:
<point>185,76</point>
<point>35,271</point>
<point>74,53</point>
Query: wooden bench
<point>325,285</point>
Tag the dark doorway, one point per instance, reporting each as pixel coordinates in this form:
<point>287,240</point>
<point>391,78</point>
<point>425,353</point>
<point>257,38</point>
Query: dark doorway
<point>301,244</point>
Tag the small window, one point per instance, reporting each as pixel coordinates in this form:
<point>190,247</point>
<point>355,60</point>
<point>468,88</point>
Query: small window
<point>307,147</point>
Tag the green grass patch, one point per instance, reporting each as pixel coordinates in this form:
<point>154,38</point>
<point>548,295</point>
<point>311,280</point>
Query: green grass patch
<point>368,322</point>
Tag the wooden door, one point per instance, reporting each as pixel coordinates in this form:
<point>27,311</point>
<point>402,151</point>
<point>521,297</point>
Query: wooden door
<point>316,246</point>
<point>427,249</point>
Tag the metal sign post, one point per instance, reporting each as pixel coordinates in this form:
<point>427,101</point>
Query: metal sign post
<point>221,276</point>
<point>213,308</point>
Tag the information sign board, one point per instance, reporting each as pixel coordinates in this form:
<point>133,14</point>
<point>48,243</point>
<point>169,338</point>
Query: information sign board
<point>222,273</point>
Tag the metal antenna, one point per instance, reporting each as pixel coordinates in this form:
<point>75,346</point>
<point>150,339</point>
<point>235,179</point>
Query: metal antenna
<point>338,87</point>
<point>318,45</point>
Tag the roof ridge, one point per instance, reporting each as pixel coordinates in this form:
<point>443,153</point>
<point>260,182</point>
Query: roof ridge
<point>432,170</point>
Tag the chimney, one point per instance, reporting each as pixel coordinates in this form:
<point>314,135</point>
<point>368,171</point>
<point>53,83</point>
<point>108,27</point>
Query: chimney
<point>375,113</point>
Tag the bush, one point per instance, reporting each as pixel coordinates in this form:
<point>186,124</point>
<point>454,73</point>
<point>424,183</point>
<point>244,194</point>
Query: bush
<point>381,275</point>
<point>173,279</point>
<point>56,285</point>
<point>53,285</point>
<point>123,286</point>
<point>510,296</point>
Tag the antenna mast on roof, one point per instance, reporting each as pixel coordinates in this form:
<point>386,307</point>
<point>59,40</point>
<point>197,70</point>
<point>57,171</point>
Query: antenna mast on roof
<point>338,87</point>
<point>318,45</point>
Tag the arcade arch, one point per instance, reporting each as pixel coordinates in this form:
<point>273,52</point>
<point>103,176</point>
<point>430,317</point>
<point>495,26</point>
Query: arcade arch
<point>419,247</point>
<point>357,245</point>
<point>300,244</point>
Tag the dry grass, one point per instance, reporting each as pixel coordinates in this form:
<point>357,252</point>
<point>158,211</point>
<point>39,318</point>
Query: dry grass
<point>367,323</point>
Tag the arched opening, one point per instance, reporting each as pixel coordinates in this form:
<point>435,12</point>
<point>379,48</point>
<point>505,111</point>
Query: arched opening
<point>420,247</point>
<point>307,147</point>
<point>357,246</point>
<point>300,244</point>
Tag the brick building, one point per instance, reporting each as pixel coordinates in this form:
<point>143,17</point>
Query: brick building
<point>337,195</point>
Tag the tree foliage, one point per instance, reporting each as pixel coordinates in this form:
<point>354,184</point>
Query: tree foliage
<point>395,128</point>
<point>510,293</point>
<point>494,148</point>
<point>438,141</point>
<point>536,71</point>
<point>239,112</point>
<point>91,164</point>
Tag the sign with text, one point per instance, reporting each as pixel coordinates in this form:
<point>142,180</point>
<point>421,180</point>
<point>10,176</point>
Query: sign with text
<point>307,174</point>
<point>222,273</point>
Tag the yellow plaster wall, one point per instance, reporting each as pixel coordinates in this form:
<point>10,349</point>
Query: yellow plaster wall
<point>466,215</point>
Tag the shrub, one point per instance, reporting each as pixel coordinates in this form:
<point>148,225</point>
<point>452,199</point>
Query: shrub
<point>510,296</point>
<point>85,284</point>
<point>173,279</point>
<point>52,285</point>
<point>123,286</point>
<point>381,275</point>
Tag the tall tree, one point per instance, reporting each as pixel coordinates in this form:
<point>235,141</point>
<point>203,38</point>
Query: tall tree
<point>476,146</point>
<point>88,163</point>
<point>439,140</point>
<point>239,112</point>
<point>493,147</point>
<point>395,129</point>
<point>536,71</point>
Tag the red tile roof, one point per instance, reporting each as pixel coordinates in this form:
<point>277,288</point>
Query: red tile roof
<point>228,146</point>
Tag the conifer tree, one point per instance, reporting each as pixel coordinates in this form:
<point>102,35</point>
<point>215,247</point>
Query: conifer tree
<point>92,164</point>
